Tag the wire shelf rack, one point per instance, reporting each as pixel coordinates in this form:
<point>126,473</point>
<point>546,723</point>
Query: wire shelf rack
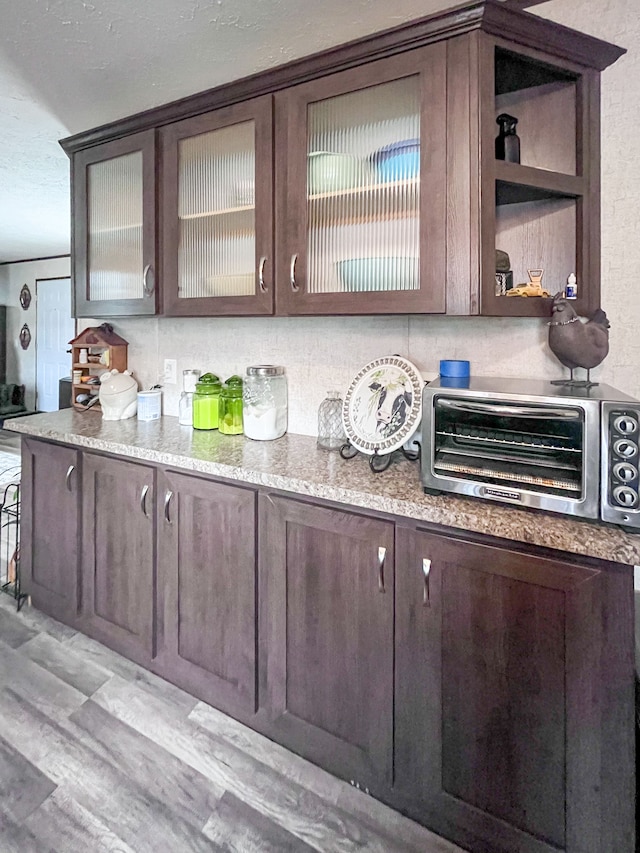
<point>10,534</point>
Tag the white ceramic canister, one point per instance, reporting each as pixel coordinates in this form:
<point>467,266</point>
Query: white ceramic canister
<point>264,402</point>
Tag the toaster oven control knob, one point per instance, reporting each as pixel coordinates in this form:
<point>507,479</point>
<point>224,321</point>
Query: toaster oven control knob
<point>624,496</point>
<point>625,471</point>
<point>625,448</point>
<point>625,425</point>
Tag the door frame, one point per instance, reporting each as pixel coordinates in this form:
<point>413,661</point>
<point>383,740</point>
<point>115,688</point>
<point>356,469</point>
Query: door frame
<point>37,283</point>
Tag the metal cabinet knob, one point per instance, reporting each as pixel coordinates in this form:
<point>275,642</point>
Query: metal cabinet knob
<point>426,572</point>
<point>261,284</point>
<point>167,501</point>
<point>292,273</point>
<point>382,554</point>
<point>143,500</point>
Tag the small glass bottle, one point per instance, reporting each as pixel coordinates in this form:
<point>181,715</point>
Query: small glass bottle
<point>185,405</point>
<point>230,422</point>
<point>331,434</point>
<point>508,141</point>
<point>264,402</point>
<point>206,401</point>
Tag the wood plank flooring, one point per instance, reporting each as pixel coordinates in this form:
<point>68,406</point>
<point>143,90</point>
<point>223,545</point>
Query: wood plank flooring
<point>96,754</point>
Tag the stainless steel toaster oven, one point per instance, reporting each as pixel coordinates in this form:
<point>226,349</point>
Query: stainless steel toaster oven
<point>533,444</point>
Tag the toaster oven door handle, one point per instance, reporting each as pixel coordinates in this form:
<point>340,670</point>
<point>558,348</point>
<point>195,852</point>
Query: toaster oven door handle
<point>501,409</point>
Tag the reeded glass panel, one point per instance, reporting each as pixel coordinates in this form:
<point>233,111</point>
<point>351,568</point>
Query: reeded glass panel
<point>216,209</point>
<point>363,190</point>
<point>115,228</point>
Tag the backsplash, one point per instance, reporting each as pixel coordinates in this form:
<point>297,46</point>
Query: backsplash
<point>325,353</point>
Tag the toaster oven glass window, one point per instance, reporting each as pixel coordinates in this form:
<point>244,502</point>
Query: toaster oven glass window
<point>530,447</point>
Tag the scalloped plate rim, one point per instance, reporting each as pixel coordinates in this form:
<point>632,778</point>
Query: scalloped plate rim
<point>412,421</point>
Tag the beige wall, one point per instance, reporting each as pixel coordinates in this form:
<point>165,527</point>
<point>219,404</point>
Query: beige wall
<point>21,364</point>
<point>323,353</point>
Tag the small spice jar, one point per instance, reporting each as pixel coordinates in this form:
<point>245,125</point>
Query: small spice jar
<point>264,398</point>
<point>206,402</point>
<point>230,422</point>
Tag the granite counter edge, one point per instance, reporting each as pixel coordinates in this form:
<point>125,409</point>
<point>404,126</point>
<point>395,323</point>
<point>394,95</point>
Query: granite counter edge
<point>512,524</point>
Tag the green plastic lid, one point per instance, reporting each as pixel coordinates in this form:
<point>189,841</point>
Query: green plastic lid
<point>208,383</point>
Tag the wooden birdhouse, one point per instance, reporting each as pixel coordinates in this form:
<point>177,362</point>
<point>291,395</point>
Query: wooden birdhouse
<point>93,351</point>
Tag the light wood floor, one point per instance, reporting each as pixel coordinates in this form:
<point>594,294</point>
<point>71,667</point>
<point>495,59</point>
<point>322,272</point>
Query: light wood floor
<point>96,754</point>
<point>9,442</point>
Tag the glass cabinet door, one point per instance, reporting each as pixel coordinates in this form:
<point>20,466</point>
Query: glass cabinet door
<point>217,217</point>
<point>362,227</point>
<point>115,228</point>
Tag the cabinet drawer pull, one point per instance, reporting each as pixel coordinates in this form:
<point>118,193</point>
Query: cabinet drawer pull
<point>148,281</point>
<point>382,553</point>
<point>143,499</point>
<point>292,273</point>
<point>67,479</point>
<point>167,500</point>
<point>426,592</point>
<point>261,284</point>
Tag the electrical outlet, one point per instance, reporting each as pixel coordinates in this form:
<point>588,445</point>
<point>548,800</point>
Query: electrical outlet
<point>170,371</point>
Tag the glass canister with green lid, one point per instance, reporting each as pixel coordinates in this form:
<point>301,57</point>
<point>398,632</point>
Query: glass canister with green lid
<point>206,401</point>
<point>231,406</point>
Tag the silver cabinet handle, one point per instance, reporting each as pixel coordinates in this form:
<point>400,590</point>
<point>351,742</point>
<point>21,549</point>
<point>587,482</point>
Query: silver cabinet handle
<point>148,280</point>
<point>292,273</point>
<point>167,500</point>
<point>143,499</point>
<point>426,592</point>
<point>382,553</point>
<point>67,479</point>
<point>261,284</point>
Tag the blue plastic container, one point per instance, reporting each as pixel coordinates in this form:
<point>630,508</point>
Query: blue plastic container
<point>454,369</point>
<point>398,161</point>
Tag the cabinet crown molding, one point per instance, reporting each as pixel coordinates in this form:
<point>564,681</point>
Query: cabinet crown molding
<point>496,18</point>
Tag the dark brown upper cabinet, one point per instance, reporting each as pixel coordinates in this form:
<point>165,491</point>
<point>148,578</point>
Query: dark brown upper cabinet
<point>545,210</point>
<point>217,212</point>
<point>114,227</point>
<point>361,180</point>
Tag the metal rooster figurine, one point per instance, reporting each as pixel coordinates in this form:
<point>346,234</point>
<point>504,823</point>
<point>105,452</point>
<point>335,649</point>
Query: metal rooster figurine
<point>577,344</point>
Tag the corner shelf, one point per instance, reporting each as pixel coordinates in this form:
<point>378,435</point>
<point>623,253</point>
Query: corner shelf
<point>516,183</point>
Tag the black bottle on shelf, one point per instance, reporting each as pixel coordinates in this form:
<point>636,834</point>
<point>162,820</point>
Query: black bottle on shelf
<point>508,141</point>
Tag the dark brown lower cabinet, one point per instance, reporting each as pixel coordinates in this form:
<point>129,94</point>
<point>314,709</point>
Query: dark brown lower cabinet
<point>49,529</point>
<point>513,697</point>
<point>485,691</point>
<point>118,554</point>
<point>326,627</point>
<point>207,588</point>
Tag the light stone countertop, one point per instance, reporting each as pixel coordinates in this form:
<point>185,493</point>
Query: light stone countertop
<point>294,464</point>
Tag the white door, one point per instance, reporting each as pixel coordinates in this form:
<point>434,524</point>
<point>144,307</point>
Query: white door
<point>54,329</point>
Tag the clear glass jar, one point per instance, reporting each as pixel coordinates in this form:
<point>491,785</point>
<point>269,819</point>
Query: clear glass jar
<point>185,404</point>
<point>206,402</point>
<point>331,434</point>
<point>264,406</point>
<point>230,422</point>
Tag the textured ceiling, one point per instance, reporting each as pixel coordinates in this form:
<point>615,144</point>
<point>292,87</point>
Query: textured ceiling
<point>70,65</point>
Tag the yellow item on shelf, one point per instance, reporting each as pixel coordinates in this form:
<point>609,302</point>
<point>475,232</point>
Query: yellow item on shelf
<point>533,288</point>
